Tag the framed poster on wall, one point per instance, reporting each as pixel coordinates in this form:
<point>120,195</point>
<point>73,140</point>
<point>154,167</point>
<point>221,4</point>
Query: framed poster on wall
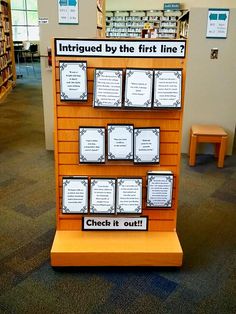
<point>138,88</point>
<point>167,88</point>
<point>92,145</point>
<point>108,88</point>
<point>102,195</point>
<point>129,196</point>
<point>147,145</point>
<point>68,11</point>
<point>73,80</point>
<point>74,195</point>
<point>120,141</point>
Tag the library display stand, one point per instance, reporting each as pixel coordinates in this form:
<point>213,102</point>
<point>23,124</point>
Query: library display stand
<point>157,244</point>
<point>7,60</point>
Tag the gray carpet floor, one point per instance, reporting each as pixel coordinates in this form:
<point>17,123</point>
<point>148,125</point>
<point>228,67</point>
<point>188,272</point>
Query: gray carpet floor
<point>206,283</point>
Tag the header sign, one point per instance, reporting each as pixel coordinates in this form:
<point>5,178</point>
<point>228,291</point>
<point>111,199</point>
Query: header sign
<point>120,48</point>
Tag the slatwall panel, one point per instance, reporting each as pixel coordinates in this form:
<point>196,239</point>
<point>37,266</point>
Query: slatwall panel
<point>69,116</point>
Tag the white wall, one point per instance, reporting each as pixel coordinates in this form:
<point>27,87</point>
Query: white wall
<point>211,84</point>
<point>87,28</point>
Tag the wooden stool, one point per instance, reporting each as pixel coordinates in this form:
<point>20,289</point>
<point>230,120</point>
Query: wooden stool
<point>208,134</point>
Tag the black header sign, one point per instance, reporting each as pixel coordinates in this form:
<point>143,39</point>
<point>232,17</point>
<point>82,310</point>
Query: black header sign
<point>120,48</point>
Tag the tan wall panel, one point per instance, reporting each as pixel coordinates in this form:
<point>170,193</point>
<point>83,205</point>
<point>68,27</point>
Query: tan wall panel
<point>84,110</point>
<point>73,158</point>
<point>124,63</point>
<point>72,124</point>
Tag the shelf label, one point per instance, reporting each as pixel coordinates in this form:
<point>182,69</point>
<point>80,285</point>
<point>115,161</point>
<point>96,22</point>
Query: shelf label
<point>217,24</point>
<point>171,6</point>
<point>115,223</point>
<point>120,48</point>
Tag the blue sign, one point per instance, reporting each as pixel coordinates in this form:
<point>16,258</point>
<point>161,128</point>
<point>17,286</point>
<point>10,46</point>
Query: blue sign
<point>72,3</point>
<point>171,6</point>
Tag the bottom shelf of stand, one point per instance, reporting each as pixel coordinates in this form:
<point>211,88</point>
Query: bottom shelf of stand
<point>116,248</point>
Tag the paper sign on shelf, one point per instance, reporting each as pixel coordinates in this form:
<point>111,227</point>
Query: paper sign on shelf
<point>115,223</point>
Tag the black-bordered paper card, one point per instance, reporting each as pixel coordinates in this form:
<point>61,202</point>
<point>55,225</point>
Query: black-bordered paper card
<point>147,145</point>
<point>138,88</point>
<point>73,80</point>
<point>102,195</point>
<point>120,141</point>
<point>167,88</point>
<point>74,195</point>
<point>159,189</point>
<point>129,196</point>
<point>108,88</point>
<point>92,144</point>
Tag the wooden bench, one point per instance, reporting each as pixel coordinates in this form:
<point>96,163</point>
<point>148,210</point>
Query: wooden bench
<point>208,134</point>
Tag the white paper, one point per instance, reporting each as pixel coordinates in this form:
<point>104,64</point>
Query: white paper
<point>75,195</point>
<point>73,80</point>
<point>147,145</point>
<point>102,196</point>
<point>120,142</point>
<point>92,145</point>
<point>129,196</point>
<point>107,88</point>
<point>167,88</point>
<point>138,88</point>
<point>160,189</point>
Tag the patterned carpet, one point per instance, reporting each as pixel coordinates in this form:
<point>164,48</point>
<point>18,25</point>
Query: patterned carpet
<point>28,284</point>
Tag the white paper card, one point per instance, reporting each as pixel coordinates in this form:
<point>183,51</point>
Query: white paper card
<point>73,80</point>
<point>120,142</point>
<point>129,196</point>
<point>102,196</point>
<point>138,88</point>
<point>167,89</point>
<point>107,88</point>
<point>159,191</point>
<point>75,195</point>
<point>92,145</point>
<point>147,145</point>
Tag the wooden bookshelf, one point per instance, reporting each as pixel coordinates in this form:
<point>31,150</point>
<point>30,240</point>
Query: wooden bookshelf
<point>7,60</point>
<point>131,24</point>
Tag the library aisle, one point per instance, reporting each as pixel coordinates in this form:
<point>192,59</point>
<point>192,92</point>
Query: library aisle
<point>28,284</point>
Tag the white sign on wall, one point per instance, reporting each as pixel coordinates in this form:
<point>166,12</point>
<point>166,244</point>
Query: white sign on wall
<point>119,48</point>
<point>68,12</point>
<point>217,23</point>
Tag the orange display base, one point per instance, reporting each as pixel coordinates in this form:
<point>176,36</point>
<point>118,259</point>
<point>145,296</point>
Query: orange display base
<point>119,248</point>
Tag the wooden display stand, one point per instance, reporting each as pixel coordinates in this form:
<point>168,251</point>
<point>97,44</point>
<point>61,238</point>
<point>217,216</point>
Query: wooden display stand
<point>159,246</point>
